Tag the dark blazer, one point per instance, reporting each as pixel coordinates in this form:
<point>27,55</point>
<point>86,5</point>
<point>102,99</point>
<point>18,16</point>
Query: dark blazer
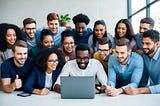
<point>36,80</point>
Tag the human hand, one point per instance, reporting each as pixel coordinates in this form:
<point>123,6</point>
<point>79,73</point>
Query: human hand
<point>44,91</point>
<point>111,91</point>
<point>17,83</point>
<point>140,52</point>
<point>131,90</point>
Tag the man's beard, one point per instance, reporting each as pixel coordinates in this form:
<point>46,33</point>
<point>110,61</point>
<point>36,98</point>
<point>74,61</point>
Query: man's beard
<point>150,51</point>
<point>79,65</point>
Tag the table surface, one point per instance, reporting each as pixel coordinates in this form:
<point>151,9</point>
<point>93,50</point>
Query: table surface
<point>54,99</point>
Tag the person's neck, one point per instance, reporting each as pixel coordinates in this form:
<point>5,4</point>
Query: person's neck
<point>30,38</point>
<point>125,62</point>
<point>152,54</point>
<point>48,71</point>
<point>9,46</point>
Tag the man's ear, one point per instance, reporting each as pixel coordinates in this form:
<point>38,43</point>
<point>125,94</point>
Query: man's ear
<point>157,43</point>
<point>111,51</point>
<point>129,51</point>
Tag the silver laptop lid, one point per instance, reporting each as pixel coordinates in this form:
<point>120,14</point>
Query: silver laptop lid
<point>77,87</point>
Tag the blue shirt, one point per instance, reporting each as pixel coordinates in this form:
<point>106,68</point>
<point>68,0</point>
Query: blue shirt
<point>95,47</point>
<point>57,37</point>
<point>152,70</point>
<point>37,39</point>
<point>10,70</point>
<point>138,40</point>
<point>132,74</point>
<point>82,39</point>
<point>36,80</point>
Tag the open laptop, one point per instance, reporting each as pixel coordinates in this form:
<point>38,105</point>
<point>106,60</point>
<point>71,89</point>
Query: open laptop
<point>77,87</point>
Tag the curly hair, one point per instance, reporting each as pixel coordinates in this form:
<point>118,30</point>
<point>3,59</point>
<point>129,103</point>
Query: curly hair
<point>81,18</point>
<point>3,42</point>
<point>43,55</point>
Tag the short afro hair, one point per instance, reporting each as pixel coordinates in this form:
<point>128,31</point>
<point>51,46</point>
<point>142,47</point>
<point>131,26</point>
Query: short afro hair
<point>81,18</point>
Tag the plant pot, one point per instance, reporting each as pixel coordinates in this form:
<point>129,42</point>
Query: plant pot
<point>64,24</point>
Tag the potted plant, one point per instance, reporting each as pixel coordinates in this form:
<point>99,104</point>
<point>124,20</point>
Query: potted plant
<point>64,19</point>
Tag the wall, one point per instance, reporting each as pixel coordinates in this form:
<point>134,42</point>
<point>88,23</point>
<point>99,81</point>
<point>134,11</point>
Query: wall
<point>14,11</point>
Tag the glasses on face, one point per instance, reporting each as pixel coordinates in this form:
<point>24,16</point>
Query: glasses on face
<point>68,43</point>
<point>29,29</point>
<point>53,61</point>
<point>103,50</point>
<point>84,58</point>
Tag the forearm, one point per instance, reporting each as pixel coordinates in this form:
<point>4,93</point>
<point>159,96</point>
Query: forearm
<point>36,91</point>
<point>8,88</point>
<point>144,91</point>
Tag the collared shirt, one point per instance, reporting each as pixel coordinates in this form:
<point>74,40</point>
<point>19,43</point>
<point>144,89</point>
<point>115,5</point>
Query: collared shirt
<point>128,75</point>
<point>94,68</point>
<point>152,70</point>
<point>104,63</point>
<point>138,40</point>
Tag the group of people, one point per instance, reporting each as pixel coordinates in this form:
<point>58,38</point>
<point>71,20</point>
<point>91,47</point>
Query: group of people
<point>33,60</point>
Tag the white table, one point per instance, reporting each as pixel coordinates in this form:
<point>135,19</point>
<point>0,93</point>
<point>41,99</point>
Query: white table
<point>54,99</point>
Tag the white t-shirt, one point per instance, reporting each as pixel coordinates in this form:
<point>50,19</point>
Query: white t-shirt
<point>94,68</point>
<point>48,81</point>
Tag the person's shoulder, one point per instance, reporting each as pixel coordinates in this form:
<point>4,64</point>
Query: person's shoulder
<point>93,60</point>
<point>90,38</point>
<point>89,30</point>
<point>112,56</point>
<point>61,29</point>
<point>38,70</point>
<point>71,61</point>
<point>136,56</point>
<point>96,55</point>
<point>137,35</point>
<point>1,53</point>
<point>35,49</point>
<point>8,62</point>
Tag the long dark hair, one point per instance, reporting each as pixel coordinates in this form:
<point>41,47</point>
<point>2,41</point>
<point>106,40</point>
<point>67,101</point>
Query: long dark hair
<point>3,43</point>
<point>43,55</point>
<point>129,33</point>
<point>98,22</point>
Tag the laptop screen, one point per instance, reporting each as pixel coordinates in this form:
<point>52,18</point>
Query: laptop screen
<point>77,87</point>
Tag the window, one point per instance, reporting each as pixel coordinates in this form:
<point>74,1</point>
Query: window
<point>155,13</point>
<point>138,9</point>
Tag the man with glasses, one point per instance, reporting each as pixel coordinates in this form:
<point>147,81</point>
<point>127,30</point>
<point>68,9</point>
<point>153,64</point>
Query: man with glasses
<point>83,66</point>
<point>125,68</point>
<point>104,51</point>
<point>31,35</point>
